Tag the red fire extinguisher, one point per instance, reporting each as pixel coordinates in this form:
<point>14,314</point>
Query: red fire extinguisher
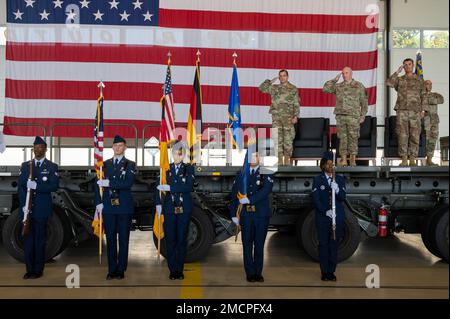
<point>382,221</point>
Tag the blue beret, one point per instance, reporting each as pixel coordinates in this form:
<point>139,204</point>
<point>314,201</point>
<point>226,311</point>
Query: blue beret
<point>119,139</point>
<point>38,141</point>
<point>328,156</point>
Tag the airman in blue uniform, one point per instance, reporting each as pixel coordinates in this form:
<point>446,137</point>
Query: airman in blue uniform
<point>43,182</point>
<point>117,207</point>
<point>321,195</point>
<point>174,200</point>
<point>254,218</point>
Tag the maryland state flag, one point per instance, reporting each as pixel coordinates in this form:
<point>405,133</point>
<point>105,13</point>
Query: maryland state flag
<point>98,159</point>
<point>194,128</point>
<point>419,69</point>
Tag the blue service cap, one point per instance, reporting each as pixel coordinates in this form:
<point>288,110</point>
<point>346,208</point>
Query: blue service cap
<point>328,155</point>
<point>119,139</point>
<point>39,140</point>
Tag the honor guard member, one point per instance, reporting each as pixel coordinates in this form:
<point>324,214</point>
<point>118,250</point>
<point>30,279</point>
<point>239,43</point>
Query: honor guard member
<point>254,218</point>
<point>431,120</point>
<point>351,109</point>
<point>321,195</point>
<point>285,110</point>
<point>116,206</point>
<point>44,180</point>
<point>410,94</point>
<point>175,202</point>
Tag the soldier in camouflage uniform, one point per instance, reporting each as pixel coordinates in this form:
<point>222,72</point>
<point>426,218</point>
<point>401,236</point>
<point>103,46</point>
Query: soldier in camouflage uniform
<point>285,110</point>
<point>431,119</point>
<point>410,92</point>
<point>351,109</point>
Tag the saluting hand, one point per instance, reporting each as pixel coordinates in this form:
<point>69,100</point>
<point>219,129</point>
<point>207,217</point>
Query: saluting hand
<point>338,76</point>
<point>400,69</point>
<point>274,80</point>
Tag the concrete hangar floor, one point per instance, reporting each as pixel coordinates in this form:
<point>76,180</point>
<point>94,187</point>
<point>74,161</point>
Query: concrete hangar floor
<point>407,270</point>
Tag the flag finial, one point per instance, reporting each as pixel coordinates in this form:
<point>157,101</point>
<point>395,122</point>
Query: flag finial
<point>234,57</point>
<point>169,57</point>
<point>101,85</point>
<point>198,54</point>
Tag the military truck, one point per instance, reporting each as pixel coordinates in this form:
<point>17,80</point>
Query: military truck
<point>415,199</point>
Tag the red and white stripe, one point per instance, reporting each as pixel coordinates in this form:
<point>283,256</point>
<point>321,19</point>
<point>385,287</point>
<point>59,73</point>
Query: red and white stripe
<point>52,71</point>
<point>170,117</point>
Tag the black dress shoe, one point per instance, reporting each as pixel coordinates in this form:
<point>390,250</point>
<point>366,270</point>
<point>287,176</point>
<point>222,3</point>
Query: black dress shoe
<point>332,277</point>
<point>37,275</point>
<point>120,275</point>
<point>180,275</point>
<point>110,276</point>
<point>251,278</point>
<point>259,278</point>
<point>324,277</point>
<point>28,275</point>
<point>173,276</point>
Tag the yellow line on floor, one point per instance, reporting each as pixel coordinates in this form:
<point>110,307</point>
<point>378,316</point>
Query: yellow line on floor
<point>192,277</point>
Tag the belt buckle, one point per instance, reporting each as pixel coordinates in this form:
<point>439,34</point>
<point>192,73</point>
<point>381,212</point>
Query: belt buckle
<point>115,202</point>
<point>251,208</point>
<point>178,210</point>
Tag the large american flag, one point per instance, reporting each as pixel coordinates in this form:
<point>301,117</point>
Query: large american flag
<point>57,51</point>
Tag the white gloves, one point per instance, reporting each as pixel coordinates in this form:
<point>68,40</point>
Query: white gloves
<point>335,186</point>
<point>163,188</point>
<point>235,220</point>
<point>25,210</point>
<point>103,183</point>
<point>329,213</point>
<point>244,201</point>
<point>99,208</point>
<point>158,210</point>
<point>31,184</point>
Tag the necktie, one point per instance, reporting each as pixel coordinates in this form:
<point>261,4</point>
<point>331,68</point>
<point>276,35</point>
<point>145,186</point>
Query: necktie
<point>176,169</point>
<point>116,162</point>
<point>38,164</point>
<point>329,181</point>
<point>253,171</point>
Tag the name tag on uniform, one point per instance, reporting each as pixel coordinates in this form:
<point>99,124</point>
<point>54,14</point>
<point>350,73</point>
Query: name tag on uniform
<point>115,202</point>
<point>178,210</point>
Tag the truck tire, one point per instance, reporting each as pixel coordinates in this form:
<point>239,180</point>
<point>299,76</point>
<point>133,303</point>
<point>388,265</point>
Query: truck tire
<point>307,235</point>
<point>441,235</point>
<point>200,237</point>
<point>429,230</point>
<point>67,230</point>
<point>13,240</point>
